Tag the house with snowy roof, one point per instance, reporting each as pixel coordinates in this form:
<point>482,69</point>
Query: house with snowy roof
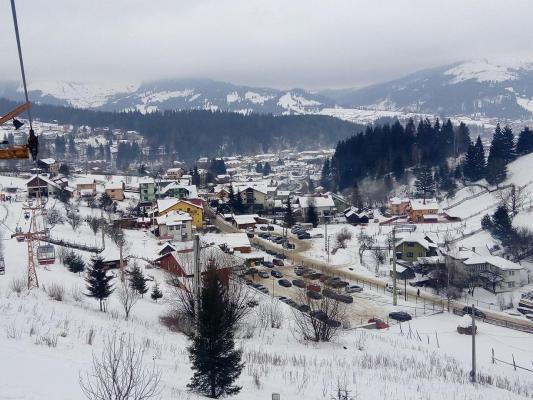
<point>193,207</point>
<point>412,246</point>
<point>324,204</point>
<point>422,210</point>
<point>175,225</point>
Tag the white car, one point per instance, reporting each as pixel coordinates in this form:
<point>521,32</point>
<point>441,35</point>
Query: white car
<point>398,290</point>
<point>353,289</point>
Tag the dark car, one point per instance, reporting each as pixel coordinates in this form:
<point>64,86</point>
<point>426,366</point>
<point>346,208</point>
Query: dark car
<point>290,246</point>
<point>267,264</point>
<point>262,289</point>
<point>252,303</point>
<point>304,235</point>
<point>295,229</point>
<point>270,227</point>
<point>319,314</point>
<point>333,323</point>
<point>329,293</point>
<point>277,262</point>
<point>276,274</point>
<point>314,295</point>
<point>343,298</point>
<point>263,274</point>
<point>303,308</point>
<point>400,316</point>
<point>298,283</point>
<point>477,313</point>
<point>263,228</point>
<point>284,283</point>
<point>251,271</point>
<point>299,271</point>
<point>315,276</point>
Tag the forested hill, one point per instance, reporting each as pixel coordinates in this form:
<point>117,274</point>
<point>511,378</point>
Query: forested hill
<point>194,133</point>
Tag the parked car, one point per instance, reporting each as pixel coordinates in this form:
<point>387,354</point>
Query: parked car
<point>319,314</point>
<point>250,234</point>
<point>263,274</point>
<point>318,235</point>
<point>298,283</point>
<point>379,323</point>
<point>276,274</point>
<point>339,284</point>
<point>304,235</point>
<point>263,228</point>
<point>329,293</point>
<point>295,229</point>
<point>277,262</point>
<point>270,227</point>
<point>315,275</point>
<point>324,278</point>
<point>314,295</point>
<point>400,316</point>
<point>333,323</point>
<point>267,264</point>
<point>353,289</point>
<point>314,288</point>
<point>284,283</point>
<point>477,313</point>
<point>289,246</point>
<point>251,271</point>
<point>303,308</point>
<point>344,298</point>
<point>263,289</point>
<point>299,272</point>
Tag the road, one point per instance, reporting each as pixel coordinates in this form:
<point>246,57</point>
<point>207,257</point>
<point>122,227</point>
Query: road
<point>297,258</point>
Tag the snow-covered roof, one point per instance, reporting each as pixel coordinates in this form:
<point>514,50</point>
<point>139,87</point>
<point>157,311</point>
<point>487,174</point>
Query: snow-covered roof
<point>416,238</point>
<point>319,201</point>
<point>399,200</point>
<point>231,240</point>
<point>47,161</point>
<point>498,262</point>
<point>114,186</point>
<point>173,218</point>
<point>193,192</point>
<point>245,219</point>
<point>420,205</point>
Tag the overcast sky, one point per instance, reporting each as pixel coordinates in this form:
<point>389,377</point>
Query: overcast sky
<point>278,43</point>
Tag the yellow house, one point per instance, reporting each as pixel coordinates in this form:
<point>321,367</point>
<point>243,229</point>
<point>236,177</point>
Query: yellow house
<point>193,207</point>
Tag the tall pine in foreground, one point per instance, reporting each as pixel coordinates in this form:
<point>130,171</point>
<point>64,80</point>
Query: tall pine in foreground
<point>424,182</point>
<point>289,216</point>
<point>524,144</point>
<point>215,361</point>
<point>502,151</point>
<point>156,292</point>
<point>474,165</point>
<point>98,282</point>
<point>138,281</point>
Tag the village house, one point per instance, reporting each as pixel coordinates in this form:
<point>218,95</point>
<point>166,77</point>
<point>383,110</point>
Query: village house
<point>48,165</point>
<point>115,191</point>
<point>193,207</point>
<point>176,190</point>
<point>174,173</point>
<point>398,206</point>
<point>244,221</point>
<point>146,190</point>
<point>86,187</point>
<point>353,216</point>
<point>175,225</point>
<point>42,186</point>
<point>324,205</point>
<point>410,247</point>
<point>420,210</point>
<point>230,242</point>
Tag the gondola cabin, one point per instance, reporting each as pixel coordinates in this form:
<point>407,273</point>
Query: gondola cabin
<point>46,254</point>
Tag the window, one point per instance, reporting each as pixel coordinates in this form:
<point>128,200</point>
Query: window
<point>511,273</point>
<point>410,245</point>
<point>510,284</point>
<point>410,254</point>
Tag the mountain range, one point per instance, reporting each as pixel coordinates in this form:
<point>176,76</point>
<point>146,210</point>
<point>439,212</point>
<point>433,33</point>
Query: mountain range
<point>475,89</point>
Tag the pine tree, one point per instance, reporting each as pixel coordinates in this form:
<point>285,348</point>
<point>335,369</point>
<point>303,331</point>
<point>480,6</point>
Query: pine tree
<point>75,264</point>
<point>98,282</point>
<point>388,183</point>
<point>325,176</point>
<point>215,361</point>
<point>310,185</point>
<point>357,199</point>
<point>525,142</point>
<point>508,145</point>
<point>156,292</point>
<point>424,181</point>
<point>289,216</point>
<point>195,177</point>
<point>474,166</point>
<point>138,281</point>
<point>311,213</point>
<point>231,197</point>
<point>498,156</point>
<point>462,138</point>
<point>259,168</point>
<point>398,168</point>
<point>501,222</point>
<point>105,201</point>
<point>496,171</point>
<point>267,169</point>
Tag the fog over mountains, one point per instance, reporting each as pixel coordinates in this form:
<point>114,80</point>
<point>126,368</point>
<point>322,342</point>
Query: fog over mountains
<point>474,89</point>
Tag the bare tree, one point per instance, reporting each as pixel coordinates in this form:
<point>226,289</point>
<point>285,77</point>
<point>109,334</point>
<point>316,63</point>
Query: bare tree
<point>269,314</point>
<point>54,217</point>
<point>365,243</point>
<point>119,238</point>
<point>128,297</point>
<point>73,219</point>
<point>513,198</point>
<point>379,257</point>
<point>342,237</point>
<point>119,373</point>
<point>323,321</point>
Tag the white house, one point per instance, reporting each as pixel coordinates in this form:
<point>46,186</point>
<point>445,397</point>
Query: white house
<point>175,225</point>
<point>324,204</point>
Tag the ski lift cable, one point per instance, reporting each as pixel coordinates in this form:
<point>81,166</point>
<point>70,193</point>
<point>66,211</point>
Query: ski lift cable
<point>21,61</point>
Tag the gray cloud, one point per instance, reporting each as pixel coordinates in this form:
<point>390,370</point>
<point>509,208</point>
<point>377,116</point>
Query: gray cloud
<point>306,43</point>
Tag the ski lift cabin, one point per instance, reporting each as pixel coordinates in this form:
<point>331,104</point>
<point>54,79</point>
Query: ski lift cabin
<point>46,254</point>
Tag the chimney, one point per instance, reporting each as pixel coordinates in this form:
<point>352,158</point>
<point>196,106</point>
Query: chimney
<point>474,249</point>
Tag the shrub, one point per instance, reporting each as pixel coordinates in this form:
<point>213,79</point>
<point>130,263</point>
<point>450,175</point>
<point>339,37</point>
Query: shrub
<point>55,292</point>
<point>17,285</point>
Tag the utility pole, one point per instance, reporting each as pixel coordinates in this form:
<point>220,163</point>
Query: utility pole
<point>196,281</point>
<point>394,294</point>
<point>473,372</point>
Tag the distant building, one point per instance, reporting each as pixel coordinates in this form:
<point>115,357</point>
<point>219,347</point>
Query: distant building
<point>354,216</point>
<point>175,225</point>
<point>410,247</point>
<point>48,165</point>
<point>420,210</point>
<point>244,221</point>
<point>399,206</point>
<point>86,187</point>
<point>115,191</point>
<point>146,190</point>
<point>324,205</point>
<point>42,186</point>
<point>193,207</point>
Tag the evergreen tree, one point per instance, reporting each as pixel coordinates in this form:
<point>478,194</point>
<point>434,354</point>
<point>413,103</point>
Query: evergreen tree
<point>75,264</point>
<point>259,168</point>
<point>195,176</point>
<point>138,281</point>
<point>72,147</point>
<point>289,216</point>
<point>424,181</point>
<point>325,176</point>
<point>498,154</point>
<point>60,145</point>
<point>525,142</point>
<point>231,197</point>
<point>398,168</point>
<point>388,183</point>
<point>357,199</point>
<point>267,169</point>
<point>462,139</point>
<point>215,361</point>
<point>239,205</point>
<point>310,185</point>
<point>311,213</point>
<point>508,145</point>
<point>105,201</point>
<point>98,282</point>
<point>501,223</point>
<point>156,292</point>
<point>63,169</point>
<point>474,166</point>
